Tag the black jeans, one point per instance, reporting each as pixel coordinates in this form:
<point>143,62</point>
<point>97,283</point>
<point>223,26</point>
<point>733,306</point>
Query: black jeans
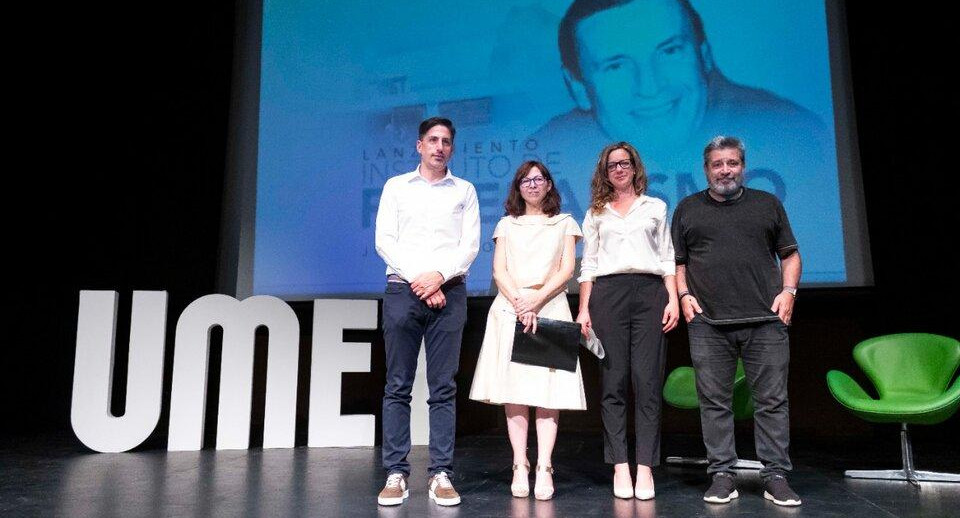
<point>626,311</point>
<point>765,350</point>
<point>406,322</point>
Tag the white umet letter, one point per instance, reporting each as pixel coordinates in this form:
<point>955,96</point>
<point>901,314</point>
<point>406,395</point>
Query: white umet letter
<point>93,370</point>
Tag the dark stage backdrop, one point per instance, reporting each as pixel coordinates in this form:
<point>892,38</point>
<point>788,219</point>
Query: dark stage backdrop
<point>131,133</point>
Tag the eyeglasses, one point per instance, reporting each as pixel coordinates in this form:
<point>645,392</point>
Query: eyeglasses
<point>529,183</point>
<point>626,165</point>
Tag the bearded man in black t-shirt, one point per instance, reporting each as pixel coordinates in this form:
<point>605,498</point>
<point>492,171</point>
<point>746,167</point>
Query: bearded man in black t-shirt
<point>737,273</point>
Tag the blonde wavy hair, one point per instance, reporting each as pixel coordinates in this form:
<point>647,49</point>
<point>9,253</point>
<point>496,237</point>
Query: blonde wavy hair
<point>601,190</point>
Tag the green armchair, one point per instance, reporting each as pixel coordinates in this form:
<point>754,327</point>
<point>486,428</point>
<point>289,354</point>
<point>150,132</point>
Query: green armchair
<point>912,374</point>
<point>680,391</point>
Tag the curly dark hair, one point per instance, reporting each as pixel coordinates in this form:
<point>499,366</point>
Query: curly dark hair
<point>515,206</point>
<point>601,190</point>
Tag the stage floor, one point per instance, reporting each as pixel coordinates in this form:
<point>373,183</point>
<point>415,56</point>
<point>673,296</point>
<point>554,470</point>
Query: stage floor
<point>59,477</point>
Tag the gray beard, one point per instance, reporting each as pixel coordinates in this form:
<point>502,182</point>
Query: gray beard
<point>727,190</point>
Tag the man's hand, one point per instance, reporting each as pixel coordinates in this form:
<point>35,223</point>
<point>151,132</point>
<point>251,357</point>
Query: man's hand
<point>426,284</point>
<point>690,307</point>
<point>437,300</point>
<point>783,307</point>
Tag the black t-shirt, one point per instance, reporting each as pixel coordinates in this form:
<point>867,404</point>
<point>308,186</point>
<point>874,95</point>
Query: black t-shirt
<point>730,251</point>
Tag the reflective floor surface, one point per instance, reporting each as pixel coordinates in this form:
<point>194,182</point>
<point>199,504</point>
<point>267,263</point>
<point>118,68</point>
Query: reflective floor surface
<point>59,477</point>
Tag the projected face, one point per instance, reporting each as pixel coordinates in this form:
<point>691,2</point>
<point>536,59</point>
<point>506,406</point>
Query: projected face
<point>533,187</point>
<point>620,169</point>
<point>642,72</point>
<point>724,170</point>
<point>435,148</point>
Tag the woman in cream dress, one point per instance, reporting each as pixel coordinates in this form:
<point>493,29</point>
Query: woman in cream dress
<point>533,260</point>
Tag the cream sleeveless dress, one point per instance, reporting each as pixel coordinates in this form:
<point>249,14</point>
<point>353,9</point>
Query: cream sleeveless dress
<point>534,246</point>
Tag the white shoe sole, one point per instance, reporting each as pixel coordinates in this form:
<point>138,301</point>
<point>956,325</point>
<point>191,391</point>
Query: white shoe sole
<point>718,500</point>
<point>645,495</point>
<point>394,501</point>
<point>444,501</point>
<point>785,503</point>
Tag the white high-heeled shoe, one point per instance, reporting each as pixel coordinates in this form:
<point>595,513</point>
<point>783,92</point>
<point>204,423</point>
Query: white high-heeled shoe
<point>540,492</point>
<point>521,490</point>
<point>622,491</point>
<point>645,494</point>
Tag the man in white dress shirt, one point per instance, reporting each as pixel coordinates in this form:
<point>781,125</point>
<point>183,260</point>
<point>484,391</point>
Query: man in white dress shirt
<point>428,233</point>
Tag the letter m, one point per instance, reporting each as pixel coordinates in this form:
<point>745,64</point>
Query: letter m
<point>239,321</point>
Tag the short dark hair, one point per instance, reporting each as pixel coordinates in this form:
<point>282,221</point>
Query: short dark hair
<point>436,121</point>
<point>515,205</point>
<point>581,9</point>
<point>725,142</point>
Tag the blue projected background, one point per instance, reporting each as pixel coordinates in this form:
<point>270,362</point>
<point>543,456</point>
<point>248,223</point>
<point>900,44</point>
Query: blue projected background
<point>345,84</point>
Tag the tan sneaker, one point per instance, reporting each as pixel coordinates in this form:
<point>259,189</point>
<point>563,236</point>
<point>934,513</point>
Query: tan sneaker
<point>395,491</point>
<point>442,491</point>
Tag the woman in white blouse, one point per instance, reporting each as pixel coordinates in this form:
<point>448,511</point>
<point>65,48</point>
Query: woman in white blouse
<point>534,258</point>
<point>628,296</point>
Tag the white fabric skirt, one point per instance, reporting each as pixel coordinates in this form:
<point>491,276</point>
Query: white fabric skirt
<point>497,380</point>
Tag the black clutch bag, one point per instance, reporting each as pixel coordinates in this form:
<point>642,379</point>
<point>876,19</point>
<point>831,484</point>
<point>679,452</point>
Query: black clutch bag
<point>554,345</point>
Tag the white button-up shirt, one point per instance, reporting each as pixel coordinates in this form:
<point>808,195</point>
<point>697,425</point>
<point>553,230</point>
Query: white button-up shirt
<point>638,242</point>
<point>425,227</point>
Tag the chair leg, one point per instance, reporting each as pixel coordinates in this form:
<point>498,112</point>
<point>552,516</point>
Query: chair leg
<point>748,464</point>
<point>688,461</point>
<point>700,461</point>
<point>908,473</point>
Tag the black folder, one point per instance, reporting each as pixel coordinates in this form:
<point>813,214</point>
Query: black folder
<point>554,345</point>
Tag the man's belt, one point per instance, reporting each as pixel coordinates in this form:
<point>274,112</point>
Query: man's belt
<point>453,281</point>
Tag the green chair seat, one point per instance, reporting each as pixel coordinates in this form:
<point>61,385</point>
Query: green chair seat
<point>895,408</point>
<point>680,391</point>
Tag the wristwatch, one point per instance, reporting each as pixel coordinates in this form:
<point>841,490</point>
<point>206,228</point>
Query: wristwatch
<point>791,290</point>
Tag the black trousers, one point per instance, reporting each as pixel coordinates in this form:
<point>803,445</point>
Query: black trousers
<point>765,350</point>
<point>626,311</point>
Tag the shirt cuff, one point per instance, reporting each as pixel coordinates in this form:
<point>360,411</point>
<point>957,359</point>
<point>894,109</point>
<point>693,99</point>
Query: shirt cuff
<point>669,267</point>
<point>586,277</point>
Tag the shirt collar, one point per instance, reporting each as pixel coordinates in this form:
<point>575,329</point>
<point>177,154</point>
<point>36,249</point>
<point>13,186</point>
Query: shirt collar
<point>641,199</point>
<point>447,178</point>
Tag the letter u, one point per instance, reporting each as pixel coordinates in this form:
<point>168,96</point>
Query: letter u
<point>90,413</point>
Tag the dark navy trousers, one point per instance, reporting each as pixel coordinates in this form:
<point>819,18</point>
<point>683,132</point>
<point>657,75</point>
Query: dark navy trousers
<point>408,321</point>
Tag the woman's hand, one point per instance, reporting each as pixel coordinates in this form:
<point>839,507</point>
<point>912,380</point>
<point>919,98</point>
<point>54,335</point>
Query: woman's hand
<point>529,321</point>
<point>584,320</point>
<point>530,302</point>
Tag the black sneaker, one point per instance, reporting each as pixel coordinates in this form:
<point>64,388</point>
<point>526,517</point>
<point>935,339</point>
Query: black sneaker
<point>776,489</point>
<point>723,489</point>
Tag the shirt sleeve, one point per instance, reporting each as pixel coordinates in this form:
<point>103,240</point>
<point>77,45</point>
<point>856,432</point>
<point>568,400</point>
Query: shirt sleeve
<point>679,244</point>
<point>501,229</point>
<point>786,244</point>
<point>387,232</point>
<point>469,245</point>
<point>591,246</point>
<point>572,229</point>
<point>665,242</point>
